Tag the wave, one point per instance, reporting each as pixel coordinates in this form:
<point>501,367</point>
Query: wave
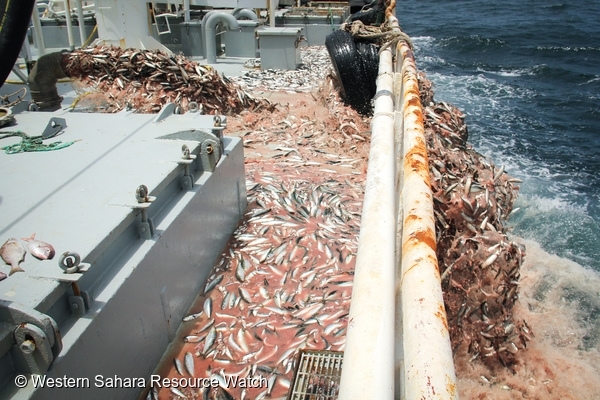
<point>560,6</point>
<point>561,223</point>
<point>558,300</point>
<point>576,49</point>
<point>472,43</point>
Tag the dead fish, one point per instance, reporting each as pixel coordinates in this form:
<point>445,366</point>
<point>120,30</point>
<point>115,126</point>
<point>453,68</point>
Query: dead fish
<point>245,295</point>
<point>240,274</point>
<point>178,366</point>
<point>192,316</point>
<point>38,249</point>
<point>188,361</point>
<point>13,253</point>
<point>208,307</point>
<point>210,339</point>
<point>178,392</point>
<point>210,286</point>
<point>192,339</point>
<point>217,393</point>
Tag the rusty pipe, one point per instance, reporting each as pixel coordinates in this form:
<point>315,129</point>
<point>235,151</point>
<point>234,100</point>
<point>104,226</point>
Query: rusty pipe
<point>429,366</point>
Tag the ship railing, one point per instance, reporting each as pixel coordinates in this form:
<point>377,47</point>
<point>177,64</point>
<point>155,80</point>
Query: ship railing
<point>397,344</point>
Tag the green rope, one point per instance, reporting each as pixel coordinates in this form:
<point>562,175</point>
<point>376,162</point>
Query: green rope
<point>31,143</point>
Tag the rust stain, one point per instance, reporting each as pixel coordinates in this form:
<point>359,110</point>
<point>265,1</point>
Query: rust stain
<point>414,158</point>
<point>427,236</point>
<point>441,315</point>
<point>420,237</point>
<point>412,217</point>
<point>413,99</point>
<point>419,115</point>
<point>450,386</point>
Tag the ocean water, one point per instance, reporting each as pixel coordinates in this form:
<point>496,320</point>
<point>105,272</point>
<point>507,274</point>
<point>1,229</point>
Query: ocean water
<point>527,74</point>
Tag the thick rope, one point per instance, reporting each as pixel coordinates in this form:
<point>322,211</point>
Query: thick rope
<point>5,100</point>
<point>384,35</point>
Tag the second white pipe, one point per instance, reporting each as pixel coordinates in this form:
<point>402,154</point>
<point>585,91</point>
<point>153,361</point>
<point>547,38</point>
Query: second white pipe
<point>368,370</point>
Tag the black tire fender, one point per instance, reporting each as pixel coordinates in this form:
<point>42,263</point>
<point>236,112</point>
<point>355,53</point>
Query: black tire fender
<point>14,22</point>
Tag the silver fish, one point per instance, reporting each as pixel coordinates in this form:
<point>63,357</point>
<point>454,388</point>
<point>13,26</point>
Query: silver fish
<point>38,249</point>
<point>208,307</point>
<point>13,253</point>
<point>188,361</point>
<point>178,366</point>
<point>192,316</point>
<point>210,339</point>
<point>211,285</point>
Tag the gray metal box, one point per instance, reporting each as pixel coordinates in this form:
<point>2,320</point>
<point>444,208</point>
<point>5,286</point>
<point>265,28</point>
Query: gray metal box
<point>56,36</point>
<point>242,42</point>
<point>317,23</point>
<point>167,30</point>
<point>192,39</point>
<point>280,48</point>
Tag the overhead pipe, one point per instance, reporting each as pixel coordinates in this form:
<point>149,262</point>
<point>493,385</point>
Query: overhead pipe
<point>209,23</point>
<point>186,10</point>
<point>241,13</point>
<point>81,21</point>
<point>368,371</point>
<point>69,24</point>
<point>271,13</point>
<point>37,32</point>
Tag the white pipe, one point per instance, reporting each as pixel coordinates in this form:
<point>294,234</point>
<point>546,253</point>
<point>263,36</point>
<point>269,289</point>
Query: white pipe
<point>368,371</point>
<point>81,21</point>
<point>37,32</point>
<point>209,23</point>
<point>186,10</point>
<point>271,13</point>
<point>247,13</point>
<point>69,24</point>
<point>429,366</point>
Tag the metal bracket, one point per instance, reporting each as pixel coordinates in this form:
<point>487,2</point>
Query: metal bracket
<point>210,154</point>
<point>55,125</point>
<point>32,337</point>
<point>187,180</point>
<point>145,226</point>
<point>219,124</point>
<point>80,301</point>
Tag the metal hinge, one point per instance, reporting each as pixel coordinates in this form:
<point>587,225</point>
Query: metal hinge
<point>31,337</point>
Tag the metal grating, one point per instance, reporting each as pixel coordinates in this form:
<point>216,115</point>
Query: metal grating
<point>317,376</point>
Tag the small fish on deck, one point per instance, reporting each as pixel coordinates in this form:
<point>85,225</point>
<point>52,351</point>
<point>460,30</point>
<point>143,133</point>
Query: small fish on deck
<point>38,249</point>
<point>13,254</point>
